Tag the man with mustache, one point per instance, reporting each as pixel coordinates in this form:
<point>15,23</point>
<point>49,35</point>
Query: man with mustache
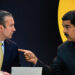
<point>8,49</point>
<point>64,63</point>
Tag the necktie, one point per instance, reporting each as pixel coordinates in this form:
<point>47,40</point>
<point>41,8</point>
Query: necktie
<point>1,56</point>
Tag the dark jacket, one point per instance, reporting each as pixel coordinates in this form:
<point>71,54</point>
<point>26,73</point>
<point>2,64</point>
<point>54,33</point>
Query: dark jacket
<point>11,56</point>
<point>64,63</point>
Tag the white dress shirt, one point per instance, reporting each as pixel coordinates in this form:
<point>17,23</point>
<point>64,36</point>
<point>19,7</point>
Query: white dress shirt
<point>2,46</point>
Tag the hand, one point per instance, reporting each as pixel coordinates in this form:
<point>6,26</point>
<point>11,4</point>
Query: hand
<point>1,73</point>
<point>4,73</point>
<point>29,56</point>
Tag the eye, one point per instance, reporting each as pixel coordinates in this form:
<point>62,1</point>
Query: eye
<point>67,26</point>
<point>11,25</point>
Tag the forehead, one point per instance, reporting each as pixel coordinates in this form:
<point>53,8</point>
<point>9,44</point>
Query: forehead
<point>66,22</point>
<point>8,19</point>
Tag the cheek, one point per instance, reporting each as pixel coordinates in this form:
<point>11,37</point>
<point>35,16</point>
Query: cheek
<point>6,32</point>
<point>72,33</point>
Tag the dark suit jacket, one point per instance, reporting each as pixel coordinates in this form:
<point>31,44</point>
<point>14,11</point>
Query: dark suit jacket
<point>64,63</point>
<point>11,57</point>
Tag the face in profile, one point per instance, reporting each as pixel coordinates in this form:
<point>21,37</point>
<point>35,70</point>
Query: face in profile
<point>69,30</point>
<point>9,28</point>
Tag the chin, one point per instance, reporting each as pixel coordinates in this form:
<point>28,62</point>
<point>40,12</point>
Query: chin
<point>69,40</point>
<point>9,37</point>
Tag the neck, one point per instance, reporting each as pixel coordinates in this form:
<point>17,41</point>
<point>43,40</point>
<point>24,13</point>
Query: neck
<point>2,38</point>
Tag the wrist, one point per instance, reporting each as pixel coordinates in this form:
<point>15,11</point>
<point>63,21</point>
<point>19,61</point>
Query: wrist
<point>36,59</point>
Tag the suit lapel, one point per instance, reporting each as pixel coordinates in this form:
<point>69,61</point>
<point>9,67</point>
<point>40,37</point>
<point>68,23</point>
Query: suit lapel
<point>6,52</point>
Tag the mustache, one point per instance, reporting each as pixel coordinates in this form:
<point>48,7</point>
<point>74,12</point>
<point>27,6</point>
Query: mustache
<point>67,35</point>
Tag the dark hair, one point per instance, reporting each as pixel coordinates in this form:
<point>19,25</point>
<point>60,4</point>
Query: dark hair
<point>3,14</point>
<point>70,16</point>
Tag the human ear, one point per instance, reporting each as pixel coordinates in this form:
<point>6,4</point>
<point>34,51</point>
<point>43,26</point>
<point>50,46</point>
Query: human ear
<point>1,27</point>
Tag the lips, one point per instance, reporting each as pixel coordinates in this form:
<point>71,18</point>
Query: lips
<point>12,33</point>
<point>68,37</point>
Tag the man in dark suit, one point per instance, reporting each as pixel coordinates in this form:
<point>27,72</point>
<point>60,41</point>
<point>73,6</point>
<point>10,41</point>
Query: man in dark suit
<point>64,63</point>
<point>9,56</point>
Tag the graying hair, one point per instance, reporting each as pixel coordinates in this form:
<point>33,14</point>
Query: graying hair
<point>3,14</point>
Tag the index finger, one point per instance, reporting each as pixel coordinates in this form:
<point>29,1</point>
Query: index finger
<point>21,50</point>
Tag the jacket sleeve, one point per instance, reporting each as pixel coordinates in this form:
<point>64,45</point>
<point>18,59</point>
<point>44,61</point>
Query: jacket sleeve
<point>56,68</point>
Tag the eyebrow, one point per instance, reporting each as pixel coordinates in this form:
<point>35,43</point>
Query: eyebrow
<point>66,25</point>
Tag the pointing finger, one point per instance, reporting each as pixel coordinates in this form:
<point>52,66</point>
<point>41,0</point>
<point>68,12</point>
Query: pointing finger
<point>21,50</point>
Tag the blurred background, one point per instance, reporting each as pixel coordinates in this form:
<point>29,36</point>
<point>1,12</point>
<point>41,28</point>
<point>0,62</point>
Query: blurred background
<point>36,27</point>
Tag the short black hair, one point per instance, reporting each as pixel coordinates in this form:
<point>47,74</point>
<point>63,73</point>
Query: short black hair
<point>3,14</point>
<point>70,16</point>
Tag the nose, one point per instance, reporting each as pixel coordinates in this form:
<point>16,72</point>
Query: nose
<point>64,30</point>
<point>14,29</point>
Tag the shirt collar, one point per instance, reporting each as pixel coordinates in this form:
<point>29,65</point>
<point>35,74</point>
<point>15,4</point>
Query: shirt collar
<point>2,42</point>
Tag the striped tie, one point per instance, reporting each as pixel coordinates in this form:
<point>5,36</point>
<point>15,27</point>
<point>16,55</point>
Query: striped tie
<point>1,55</point>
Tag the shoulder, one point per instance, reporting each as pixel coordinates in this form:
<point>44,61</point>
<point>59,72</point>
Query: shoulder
<point>10,43</point>
<point>11,46</point>
<point>64,45</point>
